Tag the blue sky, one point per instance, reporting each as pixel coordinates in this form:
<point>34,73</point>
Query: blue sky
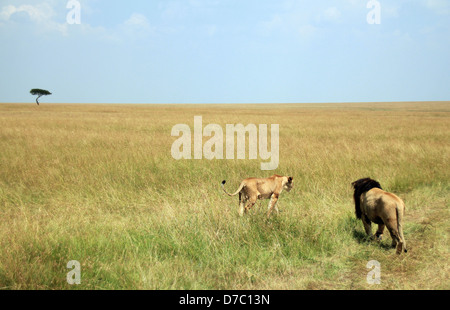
<point>225,51</point>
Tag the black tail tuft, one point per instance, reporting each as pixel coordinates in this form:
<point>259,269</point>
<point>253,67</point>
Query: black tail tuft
<point>223,182</point>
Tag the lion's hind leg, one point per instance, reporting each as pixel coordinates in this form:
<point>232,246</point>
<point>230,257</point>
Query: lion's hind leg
<point>379,233</point>
<point>396,240</point>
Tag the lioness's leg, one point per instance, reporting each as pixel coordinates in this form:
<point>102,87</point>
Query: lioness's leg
<point>241,204</point>
<point>273,201</point>
<point>250,204</point>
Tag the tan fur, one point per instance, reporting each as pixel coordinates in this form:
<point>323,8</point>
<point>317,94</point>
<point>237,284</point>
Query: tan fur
<point>384,209</point>
<point>252,189</point>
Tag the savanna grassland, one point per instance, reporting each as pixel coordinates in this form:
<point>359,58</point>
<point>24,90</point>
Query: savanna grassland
<point>98,184</point>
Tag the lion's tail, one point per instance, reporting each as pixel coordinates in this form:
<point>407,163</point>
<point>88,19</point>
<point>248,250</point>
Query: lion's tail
<point>237,192</point>
<point>400,210</point>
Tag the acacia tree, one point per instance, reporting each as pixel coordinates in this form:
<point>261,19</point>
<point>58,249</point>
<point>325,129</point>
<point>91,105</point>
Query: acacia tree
<point>39,93</point>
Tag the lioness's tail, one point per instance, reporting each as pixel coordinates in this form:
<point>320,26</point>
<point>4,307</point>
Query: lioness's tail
<point>400,211</point>
<point>237,192</point>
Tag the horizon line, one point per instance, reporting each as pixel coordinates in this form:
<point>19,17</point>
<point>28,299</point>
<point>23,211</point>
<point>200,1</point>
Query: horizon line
<point>229,103</point>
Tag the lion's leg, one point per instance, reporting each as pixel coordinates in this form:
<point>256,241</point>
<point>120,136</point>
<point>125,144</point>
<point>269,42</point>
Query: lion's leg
<point>379,233</point>
<point>241,204</point>
<point>367,226</point>
<point>272,203</point>
<point>250,204</point>
<point>396,241</point>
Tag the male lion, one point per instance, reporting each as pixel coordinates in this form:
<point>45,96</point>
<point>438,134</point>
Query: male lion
<point>252,189</point>
<point>373,204</point>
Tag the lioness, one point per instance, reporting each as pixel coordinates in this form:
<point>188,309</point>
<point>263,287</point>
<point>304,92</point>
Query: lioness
<point>373,204</point>
<point>252,189</point>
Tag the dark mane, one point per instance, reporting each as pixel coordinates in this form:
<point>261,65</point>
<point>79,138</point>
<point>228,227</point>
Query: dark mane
<point>362,186</point>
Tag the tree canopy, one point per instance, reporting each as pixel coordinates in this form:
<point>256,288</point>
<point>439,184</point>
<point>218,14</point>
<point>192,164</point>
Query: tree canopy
<point>39,92</point>
<point>42,92</point>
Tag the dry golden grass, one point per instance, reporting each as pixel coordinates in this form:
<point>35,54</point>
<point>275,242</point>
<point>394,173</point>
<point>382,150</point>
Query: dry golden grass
<point>98,184</point>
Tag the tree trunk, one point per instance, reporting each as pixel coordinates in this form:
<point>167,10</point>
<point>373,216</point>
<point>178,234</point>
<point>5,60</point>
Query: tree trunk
<point>37,99</point>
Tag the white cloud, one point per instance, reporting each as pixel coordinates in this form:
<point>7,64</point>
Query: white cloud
<point>137,20</point>
<point>332,13</point>
<point>173,10</point>
<point>44,19</point>
<point>293,20</point>
<point>137,26</point>
<point>441,7</point>
<point>7,11</point>
<point>40,14</point>
<point>355,2</point>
